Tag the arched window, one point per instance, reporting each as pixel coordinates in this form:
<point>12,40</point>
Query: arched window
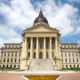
<point>4,60</point>
<point>34,55</point>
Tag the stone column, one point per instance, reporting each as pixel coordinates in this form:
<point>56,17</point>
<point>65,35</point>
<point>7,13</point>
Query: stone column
<point>26,50</point>
<point>50,48</point>
<point>44,53</point>
<point>37,47</point>
<point>31,50</point>
<point>56,47</point>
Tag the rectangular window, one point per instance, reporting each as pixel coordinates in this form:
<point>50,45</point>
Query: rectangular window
<point>29,46</point>
<point>11,59</point>
<point>47,55</point>
<point>40,45</point>
<point>28,54</point>
<point>52,54</point>
<point>34,55</point>
<point>34,44</point>
<point>47,44</point>
<point>52,44</point>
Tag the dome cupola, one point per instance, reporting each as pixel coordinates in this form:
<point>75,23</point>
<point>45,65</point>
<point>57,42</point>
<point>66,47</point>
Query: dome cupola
<point>40,19</point>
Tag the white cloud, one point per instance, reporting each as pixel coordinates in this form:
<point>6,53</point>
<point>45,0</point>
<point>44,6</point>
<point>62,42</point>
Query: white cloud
<point>8,35</point>
<point>77,31</point>
<point>77,1</point>
<point>78,43</point>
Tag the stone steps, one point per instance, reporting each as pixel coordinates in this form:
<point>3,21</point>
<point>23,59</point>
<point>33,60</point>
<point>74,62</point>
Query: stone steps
<point>41,65</point>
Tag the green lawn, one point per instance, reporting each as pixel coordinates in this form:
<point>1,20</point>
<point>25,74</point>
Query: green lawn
<point>72,69</point>
<point>5,69</point>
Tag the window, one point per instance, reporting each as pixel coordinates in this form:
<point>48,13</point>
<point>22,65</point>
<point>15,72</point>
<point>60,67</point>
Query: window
<point>40,45</point>
<point>74,66</point>
<point>79,54</point>
<point>34,55</point>
<point>7,66</point>
<point>10,66</point>
<point>47,44</point>
<point>69,54</point>
<point>62,55</point>
<point>66,66</point>
<point>8,60</point>
<point>47,55</point>
<point>12,55</point>
<point>77,60</point>
<point>16,46</point>
<point>15,60</point>
<point>18,66</point>
<point>8,54</point>
<point>5,54</point>
<point>29,45</point>
<point>62,60</point>
<point>34,44</point>
<point>28,54</point>
<point>11,59</point>
<point>52,54</point>
<point>72,54</point>
<point>65,60</point>
<point>15,55</point>
<point>4,60</point>
<point>65,55</point>
<point>73,60</point>
<point>19,60</point>
<point>19,55</point>
<point>52,44</point>
<point>69,59</point>
<point>77,66</point>
<point>14,66</point>
<point>70,66</point>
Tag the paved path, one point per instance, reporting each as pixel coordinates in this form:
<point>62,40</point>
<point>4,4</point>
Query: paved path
<point>11,76</point>
<point>71,76</point>
<point>19,76</point>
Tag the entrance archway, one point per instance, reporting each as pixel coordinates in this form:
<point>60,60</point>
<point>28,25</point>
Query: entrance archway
<point>40,55</point>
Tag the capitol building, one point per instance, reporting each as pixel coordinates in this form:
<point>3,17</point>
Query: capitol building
<point>40,50</point>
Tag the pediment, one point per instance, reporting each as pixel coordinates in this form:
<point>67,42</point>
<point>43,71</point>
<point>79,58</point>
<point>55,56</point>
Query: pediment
<point>41,29</point>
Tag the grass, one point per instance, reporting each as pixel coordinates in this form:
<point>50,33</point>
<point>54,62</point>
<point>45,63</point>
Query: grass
<point>44,77</point>
<point>6,69</point>
<point>71,69</point>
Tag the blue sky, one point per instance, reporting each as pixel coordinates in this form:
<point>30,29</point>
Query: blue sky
<point>17,15</point>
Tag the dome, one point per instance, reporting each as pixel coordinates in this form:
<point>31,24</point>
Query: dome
<point>40,19</point>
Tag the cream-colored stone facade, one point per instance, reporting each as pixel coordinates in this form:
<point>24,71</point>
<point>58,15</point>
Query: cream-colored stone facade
<point>40,42</point>
<point>10,56</point>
